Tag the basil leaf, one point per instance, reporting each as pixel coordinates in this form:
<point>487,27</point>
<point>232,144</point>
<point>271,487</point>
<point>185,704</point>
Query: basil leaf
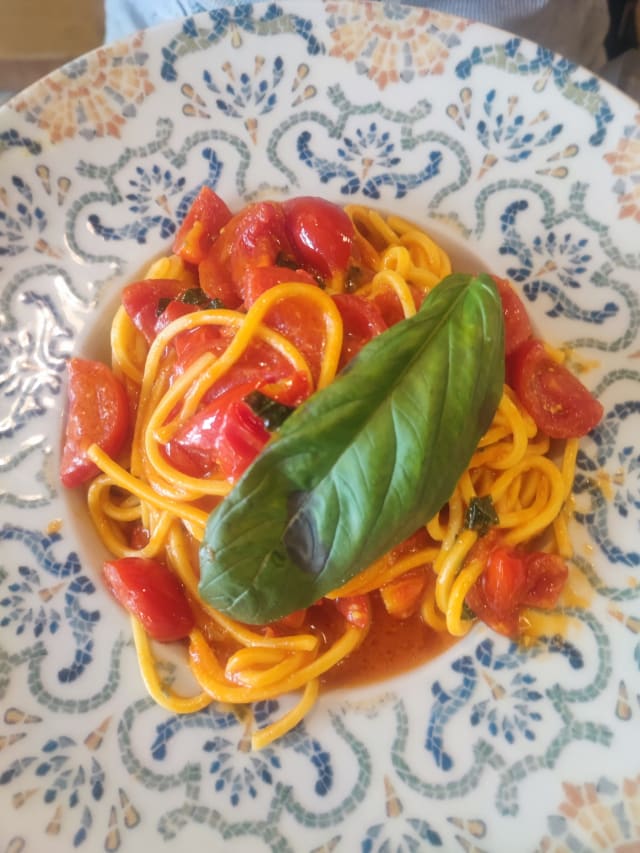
<point>481,515</point>
<point>272,413</point>
<point>364,462</point>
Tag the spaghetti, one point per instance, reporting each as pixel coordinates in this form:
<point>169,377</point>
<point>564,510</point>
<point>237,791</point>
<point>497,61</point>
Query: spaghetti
<point>152,502</point>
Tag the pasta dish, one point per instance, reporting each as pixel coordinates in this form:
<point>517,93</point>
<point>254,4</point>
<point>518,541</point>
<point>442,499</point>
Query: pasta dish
<point>248,340</point>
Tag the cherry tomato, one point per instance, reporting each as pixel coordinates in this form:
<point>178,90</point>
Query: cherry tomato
<point>153,594</point>
<point>256,280</point>
<point>356,609</point>
<point>517,326</point>
<point>98,413</point>
<point>403,595</point>
<point>202,224</point>
<point>513,579</point>
<point>389,305</point>
<point>173,311</point>
<point>546,576</point>
<point>225,433</point>
<point>303,324</point>
<point>558,402</point>
<point>192,343</point>
<point>143,302</point>
<point>320,232</point>
<point>361,320</point>
<point>504,581</point>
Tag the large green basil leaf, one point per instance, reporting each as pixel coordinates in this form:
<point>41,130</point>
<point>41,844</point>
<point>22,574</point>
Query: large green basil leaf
<point>364,462</point>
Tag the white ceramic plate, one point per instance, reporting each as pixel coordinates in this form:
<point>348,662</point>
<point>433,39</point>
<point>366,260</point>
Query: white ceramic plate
<point>510,153</point>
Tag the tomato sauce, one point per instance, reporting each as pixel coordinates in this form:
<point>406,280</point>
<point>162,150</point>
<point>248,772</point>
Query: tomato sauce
<point>391,647</point>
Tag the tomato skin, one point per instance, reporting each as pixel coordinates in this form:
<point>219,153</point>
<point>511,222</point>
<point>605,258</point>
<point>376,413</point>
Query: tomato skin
<point>98,413</point>
<point>361,321</point>
<point>320,232</point>
<point>141,300</point>
<point>224,433</point>
<point>504,581</point>
<point>403,595</point>
<point>517,325</point>
<point>257,280</point>
<point>356,609</point>
<point>389,305</point>
<point>512,580</point>
<point>153,594</point>
<point>209,214</point>
<point>557,401</point>
<point>174,310</point>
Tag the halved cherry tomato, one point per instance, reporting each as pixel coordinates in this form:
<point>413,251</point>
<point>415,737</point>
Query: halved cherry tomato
<point>225,433</point>
<point>356,609</point>
<point>98,413</point>
<point>361,321</point>
<point>153,594</point>
<point>173,311</point>
<point>206,217</point>
<point>517,325</point>
<point>389,305</point>
<point>303,324</point>
<point>256,280</point>
<point>558,402</point>
<point>403,595</point>
<point>320,232</point>
<point>254,237</point>
<point>143,302</point>
<point>514,579</point>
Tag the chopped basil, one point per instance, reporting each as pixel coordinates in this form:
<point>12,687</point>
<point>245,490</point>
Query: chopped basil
<point>162,304</point>
<point>197,296</point>
<point>287,261</point>
<point>272,413</point>
<point>481,515</point>
<point>353,279</point>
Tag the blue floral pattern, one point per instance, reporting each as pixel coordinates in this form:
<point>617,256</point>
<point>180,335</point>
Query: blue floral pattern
<point>520,160</point>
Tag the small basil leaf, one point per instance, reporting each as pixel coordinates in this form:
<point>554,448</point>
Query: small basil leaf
<point>197,296</point>
<point>362,463</point>
<point>272,413</point>
<point>481,515</point>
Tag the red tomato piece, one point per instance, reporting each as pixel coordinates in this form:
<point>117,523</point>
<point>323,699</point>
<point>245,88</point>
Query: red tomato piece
<point>153,594</point>
<point>98,413</point>
<point>546,577</point>
<point>216,279</point>
<point>361,321</point>
<point>225,433</point>
<point>504,581</point>
<point>356,609</point>
<point>192,343</point>
<point>389,305</point>
<point>558,402</point>
<point>174,310</point>
<point>403,595</point>
<point>143,301</point>
<point>320,232</point>
<point>517,325</point>
<point>303,325</point>
<point>206,217</point>
<point>256,280</point>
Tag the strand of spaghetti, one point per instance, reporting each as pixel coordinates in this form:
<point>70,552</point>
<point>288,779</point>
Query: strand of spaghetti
<point>561,523</point>
<point>457,625</point>
<point>431,614</point>
<point>553,506</point>
<point>111,534</point>
<point>136,487</point>
<point>382,572</point>
<point>266,735</point>
<point>123,342</point>
<point>162,694</point>
<point>251,322</point>
<point>259,678</point>
<point>389,278</point>
<point>181,563</point>
<point>373,225</point>
<point>188,390</point>
<point>210,674</point>
<point>448,564</point>
<point>504,454</point>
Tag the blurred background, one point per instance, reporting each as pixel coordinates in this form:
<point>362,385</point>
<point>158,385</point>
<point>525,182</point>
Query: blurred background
<point>37,36</point>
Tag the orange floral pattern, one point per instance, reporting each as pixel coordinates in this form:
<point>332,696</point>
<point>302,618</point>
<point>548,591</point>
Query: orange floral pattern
<point>625,165</point>
<point>388,47</point>
<point>91,97</point>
